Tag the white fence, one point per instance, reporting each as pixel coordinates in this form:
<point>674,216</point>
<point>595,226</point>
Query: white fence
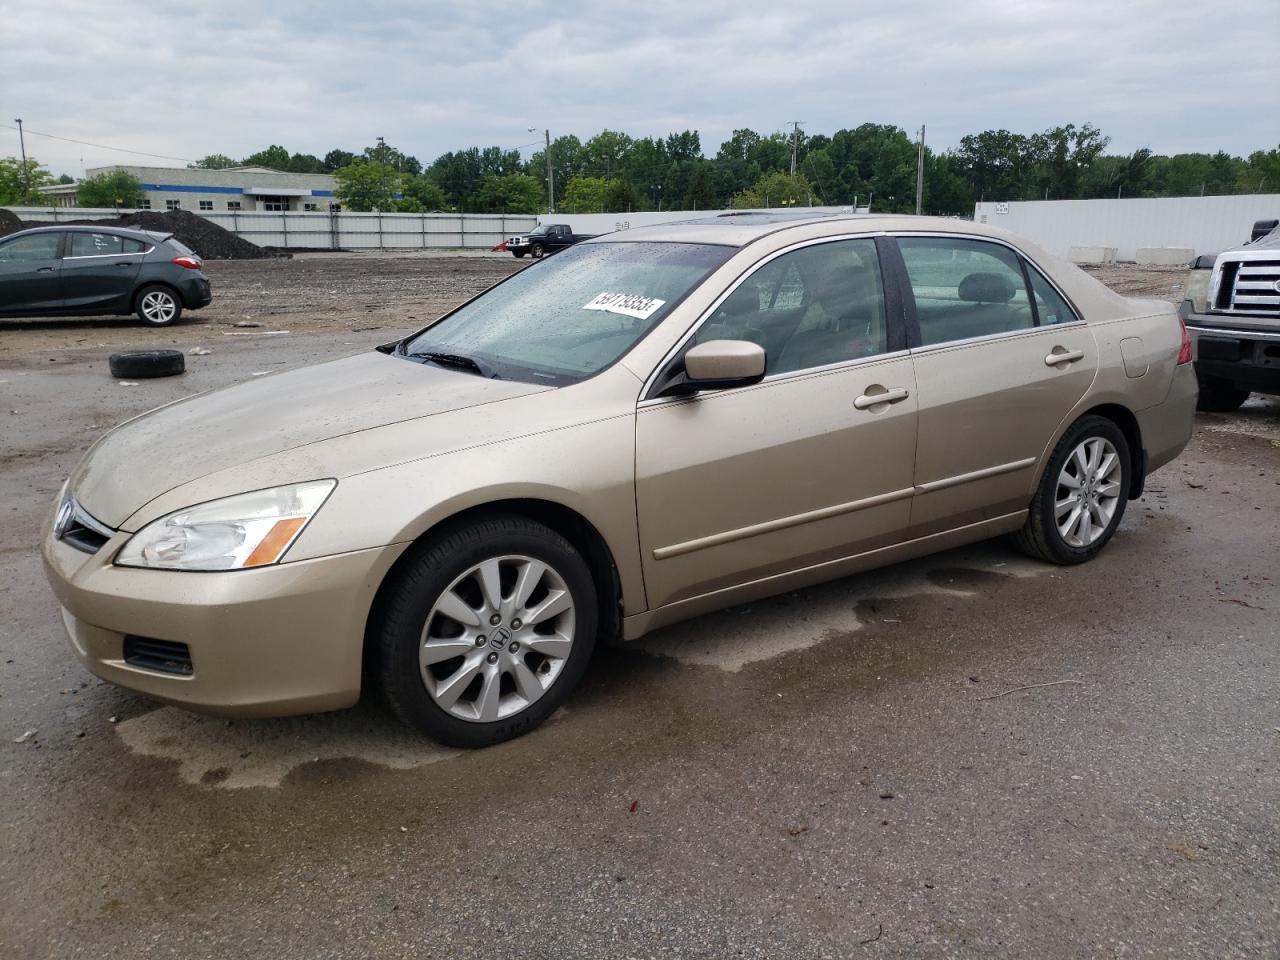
<point>336,231</point>
<point>1205,224</point>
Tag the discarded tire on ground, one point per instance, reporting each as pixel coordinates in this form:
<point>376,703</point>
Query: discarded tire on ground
<point>145,364</point>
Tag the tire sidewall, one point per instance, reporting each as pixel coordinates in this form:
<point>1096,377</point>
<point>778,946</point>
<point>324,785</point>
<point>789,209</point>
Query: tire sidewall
<point>536,251</point>
<point>407,612</point>
<point>1083,429</point>
<point>157,288</point>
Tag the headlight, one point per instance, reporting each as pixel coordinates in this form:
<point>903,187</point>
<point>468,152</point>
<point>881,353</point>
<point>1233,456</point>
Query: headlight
<point>248,530</point>
<point>1197,290</point>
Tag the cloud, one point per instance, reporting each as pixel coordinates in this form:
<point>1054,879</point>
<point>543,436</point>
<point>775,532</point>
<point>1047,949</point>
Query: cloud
<point>234,77</point>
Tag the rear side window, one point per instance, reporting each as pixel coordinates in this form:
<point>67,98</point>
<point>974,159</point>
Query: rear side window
<point>1050,306</point>
<point>96,245</point>
<point>41,246</point>
<point>965,288</point>
<point>133,246</point>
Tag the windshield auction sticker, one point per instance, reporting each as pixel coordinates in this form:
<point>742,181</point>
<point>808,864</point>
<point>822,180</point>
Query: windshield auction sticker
<point>627,304</point>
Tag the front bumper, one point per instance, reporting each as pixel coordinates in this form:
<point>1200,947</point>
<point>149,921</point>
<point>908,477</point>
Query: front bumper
<point>1240,349</point>
<point>270,641</point>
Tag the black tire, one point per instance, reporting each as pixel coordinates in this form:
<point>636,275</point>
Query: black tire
<point>407,601</point>
<point>1039,536</point>
<point>1220,396</point>
<point>518,253</point>
<point>536,251</point>
<point>162,316</point>
<point>146,364</point>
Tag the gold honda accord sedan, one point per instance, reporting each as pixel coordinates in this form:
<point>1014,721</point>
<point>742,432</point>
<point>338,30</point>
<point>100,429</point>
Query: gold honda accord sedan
<point>648,426</point>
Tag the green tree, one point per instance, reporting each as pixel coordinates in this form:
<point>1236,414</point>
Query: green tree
<point>112,188</point>
<point>620,197</point>
<point>336,160</point>
<point>64,178</point>
<point>305,163</point>
<point>275,157</point>
<point>783,190</point>
<point>20,186</point>
<point>214,161</point>
<point>701,192</point>
<point>426,192</point>
<point>384,153</point>
<point>584,195</point>
<point>512,193</point>
<point>364,186</point>
<point>1262,173</point>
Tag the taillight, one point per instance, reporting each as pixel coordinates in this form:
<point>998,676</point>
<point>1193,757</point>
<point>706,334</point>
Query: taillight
<point>191,263</point>
<point>1184,355</point>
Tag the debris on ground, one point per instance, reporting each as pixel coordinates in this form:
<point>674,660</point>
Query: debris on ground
<point>199,352</point>
<point>25,737</point>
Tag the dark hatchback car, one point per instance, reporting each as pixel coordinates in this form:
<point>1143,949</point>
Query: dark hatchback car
<point>77,271</point>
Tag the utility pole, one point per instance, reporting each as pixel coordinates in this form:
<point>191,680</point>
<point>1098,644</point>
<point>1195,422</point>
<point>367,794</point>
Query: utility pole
<point>795,138</point>
<point>920,172</point>
<point>551,177</point>
<point>22,145</point>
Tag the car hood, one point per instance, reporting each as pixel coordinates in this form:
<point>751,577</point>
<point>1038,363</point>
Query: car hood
<point>145,457</point>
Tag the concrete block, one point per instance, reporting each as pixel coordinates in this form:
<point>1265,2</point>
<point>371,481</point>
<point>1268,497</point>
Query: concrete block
<point>1093,255</point>
<point>1164,256</point>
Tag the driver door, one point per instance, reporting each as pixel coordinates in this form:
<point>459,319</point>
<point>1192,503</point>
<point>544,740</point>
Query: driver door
<point>30,273</point>
<point>812,464</point>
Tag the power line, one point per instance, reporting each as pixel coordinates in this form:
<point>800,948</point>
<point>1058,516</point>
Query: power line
<point>100,146</point>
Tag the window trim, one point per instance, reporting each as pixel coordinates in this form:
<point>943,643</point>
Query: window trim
<point>1024,262</point>
<point>895,327</point>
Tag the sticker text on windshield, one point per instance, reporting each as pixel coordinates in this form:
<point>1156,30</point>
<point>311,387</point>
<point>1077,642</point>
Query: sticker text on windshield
<point>627,304</point>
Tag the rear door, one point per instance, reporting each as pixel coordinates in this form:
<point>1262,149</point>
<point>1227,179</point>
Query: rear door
<point>100,270</point>
<point>30,267</point>
<point>993,381</point>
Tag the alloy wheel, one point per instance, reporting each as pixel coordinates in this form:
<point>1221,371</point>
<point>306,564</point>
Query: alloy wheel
<point>158,306</point>
<point>497,639</point>
<point>1088,492</point>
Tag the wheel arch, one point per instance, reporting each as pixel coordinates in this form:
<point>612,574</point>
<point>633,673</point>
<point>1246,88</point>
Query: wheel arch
<point>1123,418</point>
<point>566,521</point>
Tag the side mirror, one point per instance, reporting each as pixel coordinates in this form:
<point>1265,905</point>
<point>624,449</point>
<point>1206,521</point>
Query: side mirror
<point>718,365</point>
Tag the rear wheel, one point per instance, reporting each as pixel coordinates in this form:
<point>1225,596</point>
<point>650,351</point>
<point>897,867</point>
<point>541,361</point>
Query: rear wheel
<point>158,306</point>
<point>1220,396</point>
<point>1082,495</point>
<point>486,631</point>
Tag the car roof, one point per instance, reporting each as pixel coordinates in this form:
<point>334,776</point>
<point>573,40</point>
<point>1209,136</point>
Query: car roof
<point>151,236</point>
<point>740,229</point>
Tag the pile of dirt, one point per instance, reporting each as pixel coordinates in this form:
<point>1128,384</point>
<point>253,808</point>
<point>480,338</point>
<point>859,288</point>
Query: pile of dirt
<point>9,223</point>
<point>203,236</point>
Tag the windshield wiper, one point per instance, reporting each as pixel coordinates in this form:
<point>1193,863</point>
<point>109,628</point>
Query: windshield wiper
<point>457,361</point>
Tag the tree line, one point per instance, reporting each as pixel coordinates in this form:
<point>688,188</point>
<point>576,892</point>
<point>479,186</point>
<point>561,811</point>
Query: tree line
<point>869,165</point>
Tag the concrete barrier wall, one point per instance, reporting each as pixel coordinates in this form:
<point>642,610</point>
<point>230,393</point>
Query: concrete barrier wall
<point>1203,224</point>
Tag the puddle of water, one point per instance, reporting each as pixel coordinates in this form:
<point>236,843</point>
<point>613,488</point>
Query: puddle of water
<point>734,638</point>
<point>261,753</point>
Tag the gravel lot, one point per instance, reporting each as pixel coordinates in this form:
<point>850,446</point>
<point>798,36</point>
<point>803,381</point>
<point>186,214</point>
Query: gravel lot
<point>839,772</point>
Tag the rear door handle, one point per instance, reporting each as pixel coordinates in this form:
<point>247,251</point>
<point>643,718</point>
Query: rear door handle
<point>45,269</point>
<point>877,395</point>
<point>122,263</point>
<point>1062,355</point>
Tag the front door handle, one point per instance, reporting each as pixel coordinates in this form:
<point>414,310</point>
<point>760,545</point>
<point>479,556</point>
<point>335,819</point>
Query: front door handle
<point>45,269</point>
<point>1062,355</point>
<point>877,395</point>
<point>122,263</point>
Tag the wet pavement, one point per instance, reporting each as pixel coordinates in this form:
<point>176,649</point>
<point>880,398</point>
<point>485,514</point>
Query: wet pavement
<point>845,771</point>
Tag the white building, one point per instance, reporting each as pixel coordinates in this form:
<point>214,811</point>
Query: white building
<point>232,189</point>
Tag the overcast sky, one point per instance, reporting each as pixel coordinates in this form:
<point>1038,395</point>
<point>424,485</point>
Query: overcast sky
<point>189,79</point>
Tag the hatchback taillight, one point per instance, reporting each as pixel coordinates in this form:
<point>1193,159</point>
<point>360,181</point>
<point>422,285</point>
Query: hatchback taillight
<point>1184,355</point>
<point>191,263</point>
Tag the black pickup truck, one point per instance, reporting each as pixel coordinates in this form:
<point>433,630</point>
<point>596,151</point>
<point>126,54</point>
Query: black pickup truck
<point>547,238</point>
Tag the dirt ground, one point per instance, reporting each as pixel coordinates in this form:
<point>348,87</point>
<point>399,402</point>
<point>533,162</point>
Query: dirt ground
<point>966,756</point>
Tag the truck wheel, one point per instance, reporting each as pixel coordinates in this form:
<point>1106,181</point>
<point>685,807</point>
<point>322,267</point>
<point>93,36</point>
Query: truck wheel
<point>1220,396</point>
<point>536,251</point>
<point>518,253</point>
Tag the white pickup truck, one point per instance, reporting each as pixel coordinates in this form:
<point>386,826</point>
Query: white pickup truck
<point>1232,312</point>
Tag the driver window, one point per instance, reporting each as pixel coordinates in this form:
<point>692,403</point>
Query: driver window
<point>808,308</point>
<point>39,246</point>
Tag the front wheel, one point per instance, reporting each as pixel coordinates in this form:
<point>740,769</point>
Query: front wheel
<point>158,306</point>
<point>518,253</point>
<point>486,631</point>
<point>536,251</point>
<point>1081,496</point>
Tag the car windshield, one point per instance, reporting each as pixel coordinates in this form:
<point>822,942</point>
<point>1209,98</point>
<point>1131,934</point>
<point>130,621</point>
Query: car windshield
<point>568,317</point>
<point>538,230</point>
